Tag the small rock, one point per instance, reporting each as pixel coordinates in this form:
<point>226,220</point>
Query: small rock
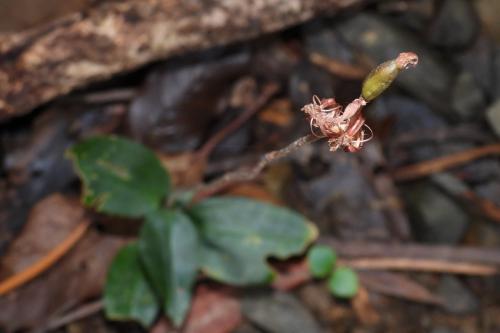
<point>456,24</point>
<point>415,15</point>
<point>279,313</point>
<point>319,37</point>
<point>467,98</point>
<point>493,116</point>
<point>457,298</point>
<point>406,114</point>
<point>479,61</point>
<point>339,200</point>
<point>496,72</point>
<point>435,218</point>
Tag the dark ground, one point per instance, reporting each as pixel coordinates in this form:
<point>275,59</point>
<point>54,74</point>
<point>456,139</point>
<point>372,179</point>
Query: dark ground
<point>449,103</point>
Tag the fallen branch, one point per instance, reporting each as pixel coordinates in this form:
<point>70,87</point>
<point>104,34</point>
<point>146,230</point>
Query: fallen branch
<point>356,249</point>
<point>420,265</point>
<point>439,164</point>
<point>46,262</point>
<point>54,59</point>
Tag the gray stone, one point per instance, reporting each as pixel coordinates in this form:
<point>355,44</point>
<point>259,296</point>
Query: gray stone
<point>319,37</point>
<point>479,61</point>
<point>496,72</point>
<point>456,24</point>
<point>493,116</point>
<point>279,313</point>
<point>467,98</point>
<point>457,298</point>
<point>434,216</point>
<point>407,114</point>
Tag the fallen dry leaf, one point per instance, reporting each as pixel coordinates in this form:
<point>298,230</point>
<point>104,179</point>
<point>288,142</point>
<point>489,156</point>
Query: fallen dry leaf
<point>49,223</point>
<point>79,275</point>
<point>291,274</point>
<point>185,169</point>
<point>214,310</point>
<point>397,285</point>
<point>278,113</point>
<point>253,191</point>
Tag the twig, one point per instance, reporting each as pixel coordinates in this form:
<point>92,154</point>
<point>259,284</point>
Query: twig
<point>209,146</point>
<point>439,164</point>
<point>421,265</point>
<point>78,314</point>
<point>486,207</point>
<point>357,249</point>
<point>244,175</point>
<point>338,68</point>
<point>44,263</point>
<point>109,96</point>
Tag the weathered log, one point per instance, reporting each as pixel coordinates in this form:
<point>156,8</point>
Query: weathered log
<point>40,64</point>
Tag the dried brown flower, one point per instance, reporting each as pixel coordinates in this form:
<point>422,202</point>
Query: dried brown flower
<point>342,127</point>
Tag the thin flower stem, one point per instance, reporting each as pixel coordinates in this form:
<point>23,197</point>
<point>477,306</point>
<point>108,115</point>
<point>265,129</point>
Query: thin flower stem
<point>244,175</point>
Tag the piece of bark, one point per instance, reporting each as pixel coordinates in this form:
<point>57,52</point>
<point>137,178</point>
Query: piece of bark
<point>49,61</point>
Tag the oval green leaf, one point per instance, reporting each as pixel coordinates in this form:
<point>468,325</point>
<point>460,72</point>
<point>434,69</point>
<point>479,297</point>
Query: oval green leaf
<point>127,294</point>
<point>343,282</point>
<point>169,250</point>
<point>119,176</point>
<point>321,260</point>
<point>238,235</point>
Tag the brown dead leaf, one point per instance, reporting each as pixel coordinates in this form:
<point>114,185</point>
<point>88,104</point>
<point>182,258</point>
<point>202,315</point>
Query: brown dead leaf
<point>291,274</point>
<point>253,191</point>
<point>185,169</point>
<point>49,223</point>
<point>278,113</point>
<point>79,275</point>
<point>397,285</point>
<point>214,310</point>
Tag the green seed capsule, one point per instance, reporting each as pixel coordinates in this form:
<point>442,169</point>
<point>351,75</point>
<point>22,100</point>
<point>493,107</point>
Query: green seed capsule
<point>381,77</point>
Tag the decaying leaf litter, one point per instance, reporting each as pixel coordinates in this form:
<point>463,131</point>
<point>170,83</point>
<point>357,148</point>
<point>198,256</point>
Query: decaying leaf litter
<point>371,206</point>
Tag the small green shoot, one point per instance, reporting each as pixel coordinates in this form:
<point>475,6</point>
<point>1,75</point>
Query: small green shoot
<point>343,283</point>
<point>321,260</point>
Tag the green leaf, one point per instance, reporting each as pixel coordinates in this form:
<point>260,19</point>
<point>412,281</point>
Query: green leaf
<point>321,260</point>
<point>127,294</point>
<point>239,234</point>
<point>120,177</point>
<point>343,282</point>
<point>169,250</point>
